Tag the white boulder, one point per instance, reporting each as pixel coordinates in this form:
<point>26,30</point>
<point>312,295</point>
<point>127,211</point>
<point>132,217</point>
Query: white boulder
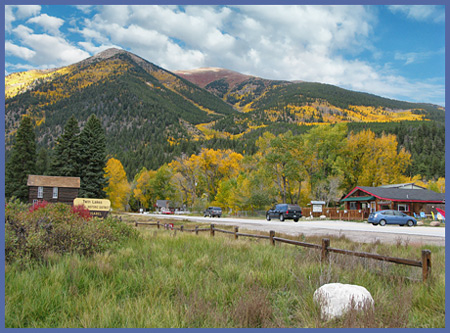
<point>335,299</point>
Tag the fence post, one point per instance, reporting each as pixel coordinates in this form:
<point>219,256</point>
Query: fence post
<point>135,223</point>
<point>426,264</point>
<point>196,229</point>
<point>181,228</point>
<point>272,235</point>
<point>236,229</point>
<point>325,245</point>
<point>157,224</point>
<point>212,230</point>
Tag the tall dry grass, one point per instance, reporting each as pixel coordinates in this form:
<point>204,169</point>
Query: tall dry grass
<point>168,279</point>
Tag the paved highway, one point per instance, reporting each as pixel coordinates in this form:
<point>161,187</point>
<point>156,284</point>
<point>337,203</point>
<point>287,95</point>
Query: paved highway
<point>356,231</point>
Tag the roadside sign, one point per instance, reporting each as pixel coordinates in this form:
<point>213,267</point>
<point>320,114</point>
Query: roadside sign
<point>96,207</point>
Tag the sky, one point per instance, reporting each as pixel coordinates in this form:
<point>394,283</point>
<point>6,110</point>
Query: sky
<point>391,51</point>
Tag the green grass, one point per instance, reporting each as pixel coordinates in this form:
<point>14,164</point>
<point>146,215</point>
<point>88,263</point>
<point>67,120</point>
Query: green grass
<point>174,279</point>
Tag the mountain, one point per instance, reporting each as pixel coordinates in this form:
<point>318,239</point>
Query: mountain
<point>146,110</point>
<point>305,102</point>
<point>152,115</point>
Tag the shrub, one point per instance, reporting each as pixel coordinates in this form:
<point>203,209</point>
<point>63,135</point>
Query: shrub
<point>38,205</point>
<point>60,229</point>
<point>82,211</point>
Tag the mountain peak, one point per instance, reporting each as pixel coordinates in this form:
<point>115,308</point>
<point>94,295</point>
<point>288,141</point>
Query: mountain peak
<point>205,75</point>
<point>108,53</point>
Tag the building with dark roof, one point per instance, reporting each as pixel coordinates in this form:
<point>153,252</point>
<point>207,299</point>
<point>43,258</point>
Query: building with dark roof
<point>52,189</point>
<point>409,199</point>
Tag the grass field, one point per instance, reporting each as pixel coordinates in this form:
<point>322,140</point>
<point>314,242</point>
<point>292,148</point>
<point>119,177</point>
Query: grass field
<point>172,279</point>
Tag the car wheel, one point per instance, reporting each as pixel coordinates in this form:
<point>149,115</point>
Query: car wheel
<point>281,217</point>
<point>410,223</point>
<point>383,222</point>
<point>268,217</point>
<point>295,220</point>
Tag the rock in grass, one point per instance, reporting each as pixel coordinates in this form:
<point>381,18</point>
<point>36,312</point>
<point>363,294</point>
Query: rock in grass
<point>335,299</point>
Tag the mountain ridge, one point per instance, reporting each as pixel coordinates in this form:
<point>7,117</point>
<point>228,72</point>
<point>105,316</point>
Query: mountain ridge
<point>152,115</point>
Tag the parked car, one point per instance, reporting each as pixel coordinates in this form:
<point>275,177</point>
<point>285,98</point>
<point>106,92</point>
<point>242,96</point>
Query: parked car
<point>284,211</point>
<point>166,211</point>
<point>390,216</point>
<point>213,211</point>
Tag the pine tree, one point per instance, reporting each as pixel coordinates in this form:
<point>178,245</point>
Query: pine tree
<point>42,162</point>
<point>92,159</point>
<point>67,151</point>
<point>22,161</point>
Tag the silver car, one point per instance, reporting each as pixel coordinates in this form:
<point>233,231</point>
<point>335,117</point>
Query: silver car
<point>390,216</point>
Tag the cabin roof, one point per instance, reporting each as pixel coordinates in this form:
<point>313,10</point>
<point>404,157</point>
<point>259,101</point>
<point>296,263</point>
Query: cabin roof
<point>53,181</point>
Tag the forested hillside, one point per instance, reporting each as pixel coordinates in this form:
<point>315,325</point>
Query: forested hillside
<point>152,116</point>
<point>144,109</point>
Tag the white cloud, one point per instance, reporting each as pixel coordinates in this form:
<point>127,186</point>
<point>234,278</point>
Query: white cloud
<point>311,43</point>
<point>49,23</point>
<point>9,17</point>
<point>92,49</point>
<point>421,12</point>
<point>417,57</point>
<point>51,51</point>
<point>13,13</point>
<point>25,11</point>
<point>85,8</point>
<point>19,51</point>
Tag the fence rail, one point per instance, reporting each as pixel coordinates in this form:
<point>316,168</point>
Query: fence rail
<point>337,214</point>
<point>325,248</point>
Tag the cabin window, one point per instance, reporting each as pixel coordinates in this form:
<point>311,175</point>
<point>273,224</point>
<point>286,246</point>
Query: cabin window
<point>403,208</point>
<point>353,205</point>
<point>40,192</point>
<point>55,193</point>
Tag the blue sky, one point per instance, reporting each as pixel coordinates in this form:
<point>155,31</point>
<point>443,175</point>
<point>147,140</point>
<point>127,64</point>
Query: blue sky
<point>392,51</point>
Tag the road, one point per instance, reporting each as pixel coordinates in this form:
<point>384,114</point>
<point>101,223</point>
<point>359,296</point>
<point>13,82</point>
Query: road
<point>355,231</point>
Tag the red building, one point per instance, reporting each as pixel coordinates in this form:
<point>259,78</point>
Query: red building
<point>408,198</point>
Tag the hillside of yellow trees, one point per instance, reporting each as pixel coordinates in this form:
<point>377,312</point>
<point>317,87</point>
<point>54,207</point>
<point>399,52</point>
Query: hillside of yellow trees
<point>153,117</point>
<point>322,164</point>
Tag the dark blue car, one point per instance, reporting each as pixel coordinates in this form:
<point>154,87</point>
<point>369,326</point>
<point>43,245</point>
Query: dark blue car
<point>384,217</point>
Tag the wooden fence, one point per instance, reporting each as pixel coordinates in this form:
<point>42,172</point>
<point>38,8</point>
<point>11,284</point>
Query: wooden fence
<point>337,214</point>
<point>424,263</point>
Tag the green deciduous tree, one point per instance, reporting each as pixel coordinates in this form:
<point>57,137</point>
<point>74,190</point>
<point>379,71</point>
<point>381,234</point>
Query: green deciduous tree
<point>282,159</point>
<point>22,161</point>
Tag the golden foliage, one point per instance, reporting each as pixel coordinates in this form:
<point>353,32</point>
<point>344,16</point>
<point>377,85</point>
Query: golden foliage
<point>373,161</point>
<point>118,189</point>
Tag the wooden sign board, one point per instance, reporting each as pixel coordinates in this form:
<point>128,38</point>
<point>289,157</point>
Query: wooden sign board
<point>96,207</point>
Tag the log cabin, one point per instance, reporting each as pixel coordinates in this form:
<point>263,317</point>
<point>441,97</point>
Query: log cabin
<point>52,189</point>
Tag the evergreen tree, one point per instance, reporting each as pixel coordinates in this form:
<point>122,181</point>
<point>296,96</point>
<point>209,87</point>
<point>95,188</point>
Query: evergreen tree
<point>92,159</point>
<point>67,151</point>
<point>22,161</point>
<point>42,162</point>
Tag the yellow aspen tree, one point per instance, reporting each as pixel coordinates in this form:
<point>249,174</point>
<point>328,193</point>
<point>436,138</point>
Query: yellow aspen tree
<point>142,192</point>
<point>118,188</point>
<point>372,161</point>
